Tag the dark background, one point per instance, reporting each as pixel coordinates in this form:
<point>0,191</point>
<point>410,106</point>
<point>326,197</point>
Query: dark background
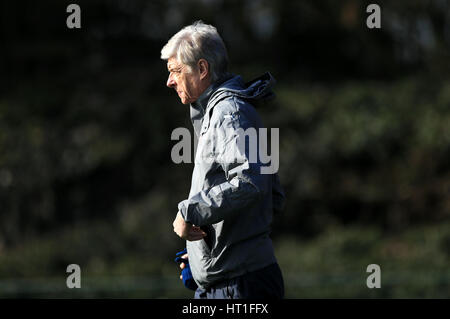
<point>86,175</point>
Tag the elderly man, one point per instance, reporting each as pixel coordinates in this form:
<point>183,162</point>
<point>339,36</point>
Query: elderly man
<point>226,218</point>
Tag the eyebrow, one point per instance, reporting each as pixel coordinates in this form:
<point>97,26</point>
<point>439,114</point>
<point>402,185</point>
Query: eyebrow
<point>174,68</point>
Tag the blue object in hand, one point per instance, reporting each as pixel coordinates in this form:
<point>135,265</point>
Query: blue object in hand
<point>186,273</point>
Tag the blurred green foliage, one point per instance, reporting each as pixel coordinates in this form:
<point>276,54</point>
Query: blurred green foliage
<point>85,123</point>
<point>414,264</point>
<point>369,152</point>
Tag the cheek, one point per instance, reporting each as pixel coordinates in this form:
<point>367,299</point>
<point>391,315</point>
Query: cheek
<point>191,85</point>
<point>182,84</point>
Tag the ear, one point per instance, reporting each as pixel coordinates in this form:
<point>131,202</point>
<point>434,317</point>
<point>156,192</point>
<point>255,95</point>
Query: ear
<point>203,67</point>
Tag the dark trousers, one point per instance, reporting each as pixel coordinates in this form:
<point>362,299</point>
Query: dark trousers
<point>265,283</point>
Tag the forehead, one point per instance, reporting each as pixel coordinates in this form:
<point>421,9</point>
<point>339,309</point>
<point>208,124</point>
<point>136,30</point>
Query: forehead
<point>172,63</point>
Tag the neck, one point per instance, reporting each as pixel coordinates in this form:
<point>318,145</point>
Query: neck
<point>204,85</point>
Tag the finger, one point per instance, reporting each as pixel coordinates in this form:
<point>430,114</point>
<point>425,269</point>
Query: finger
<point>194,237</point>
<point>182,265</point>
<point>197,232</point>
<point>185,256</point>
<point>181,277</point>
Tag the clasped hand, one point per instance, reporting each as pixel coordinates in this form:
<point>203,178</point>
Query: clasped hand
<point>187,231</point>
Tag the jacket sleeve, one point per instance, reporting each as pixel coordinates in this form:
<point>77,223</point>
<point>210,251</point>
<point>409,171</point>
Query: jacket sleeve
<point>243,184</point>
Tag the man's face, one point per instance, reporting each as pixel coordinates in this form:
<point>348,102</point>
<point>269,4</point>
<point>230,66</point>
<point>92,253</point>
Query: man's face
<point>186,82</point>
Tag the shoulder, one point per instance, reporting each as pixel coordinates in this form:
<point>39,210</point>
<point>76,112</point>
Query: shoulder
<point>233,111</point>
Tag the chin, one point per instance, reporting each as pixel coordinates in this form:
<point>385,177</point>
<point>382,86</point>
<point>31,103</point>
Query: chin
<point>186,101</point>
<point>183,101</point>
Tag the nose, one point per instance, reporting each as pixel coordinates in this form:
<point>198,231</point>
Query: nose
<point>170,81</point>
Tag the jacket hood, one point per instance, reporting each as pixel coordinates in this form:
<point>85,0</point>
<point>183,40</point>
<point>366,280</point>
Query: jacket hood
<point>257,91</point>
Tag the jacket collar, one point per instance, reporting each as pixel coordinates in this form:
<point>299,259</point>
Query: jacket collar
<point>202,102</point>
<point>199,107</point>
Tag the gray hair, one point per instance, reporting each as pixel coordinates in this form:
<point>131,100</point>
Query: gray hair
<point>195,42</point>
